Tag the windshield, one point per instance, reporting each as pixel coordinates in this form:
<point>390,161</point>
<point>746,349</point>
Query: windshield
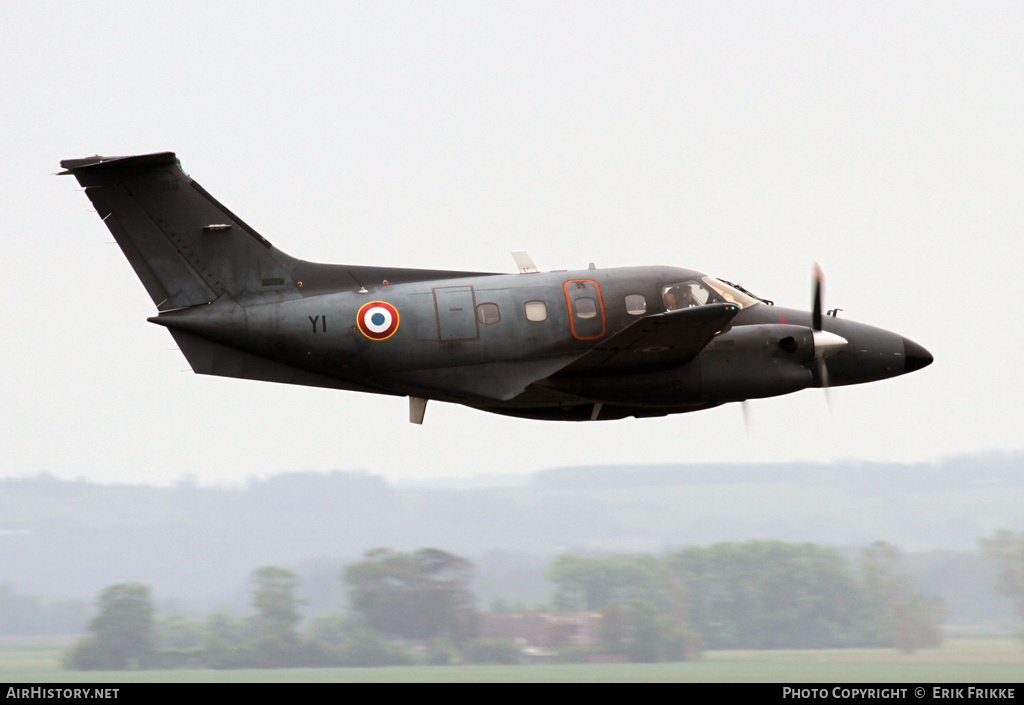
<point>687,294</point>
<point>694,292</point>
<point>732,293</point>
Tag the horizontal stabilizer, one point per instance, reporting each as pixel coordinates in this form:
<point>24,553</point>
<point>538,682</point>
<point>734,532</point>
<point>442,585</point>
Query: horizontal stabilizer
<point>97,164</point>
<point>209,358</point>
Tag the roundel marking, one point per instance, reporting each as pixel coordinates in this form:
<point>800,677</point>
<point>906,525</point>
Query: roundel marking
<point>377,320</point>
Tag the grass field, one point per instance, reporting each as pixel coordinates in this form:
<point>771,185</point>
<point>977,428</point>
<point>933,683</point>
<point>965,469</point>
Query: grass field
<point>958,661</point>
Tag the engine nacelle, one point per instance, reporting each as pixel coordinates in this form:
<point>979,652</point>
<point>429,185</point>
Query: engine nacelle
<point>746,362</point>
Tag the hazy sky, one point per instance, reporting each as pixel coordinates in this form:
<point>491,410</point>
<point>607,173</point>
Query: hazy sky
<point>745,139</point>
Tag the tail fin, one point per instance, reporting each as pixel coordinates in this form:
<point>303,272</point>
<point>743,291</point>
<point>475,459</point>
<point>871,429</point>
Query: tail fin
<point>186,247</point>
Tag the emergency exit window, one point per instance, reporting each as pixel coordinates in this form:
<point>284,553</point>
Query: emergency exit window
<point>586,307</point>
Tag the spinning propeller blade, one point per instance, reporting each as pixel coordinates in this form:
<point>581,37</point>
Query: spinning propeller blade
<point>825,343</point>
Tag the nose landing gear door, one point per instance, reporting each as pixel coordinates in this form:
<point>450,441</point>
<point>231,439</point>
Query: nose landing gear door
<point>586,308</point>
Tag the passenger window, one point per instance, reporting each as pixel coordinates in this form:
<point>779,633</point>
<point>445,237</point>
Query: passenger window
<point>536,311</point>
<point>488,313</point>
<point>586,307</point>
<point>636,305</point>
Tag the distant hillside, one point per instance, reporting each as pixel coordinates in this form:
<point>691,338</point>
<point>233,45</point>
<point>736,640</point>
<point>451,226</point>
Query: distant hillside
<point>68,539</point>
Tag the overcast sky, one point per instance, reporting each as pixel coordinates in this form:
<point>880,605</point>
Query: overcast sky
<point>743,139</point>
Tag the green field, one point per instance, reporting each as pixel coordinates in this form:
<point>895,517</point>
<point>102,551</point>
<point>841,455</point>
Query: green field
<point>958,661</point>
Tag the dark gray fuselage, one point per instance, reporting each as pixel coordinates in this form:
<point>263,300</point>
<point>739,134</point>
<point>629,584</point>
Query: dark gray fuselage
<point>589,344</point>
<point>440,350</point>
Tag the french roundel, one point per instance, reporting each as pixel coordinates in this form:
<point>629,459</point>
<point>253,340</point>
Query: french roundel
<point>377,320</point>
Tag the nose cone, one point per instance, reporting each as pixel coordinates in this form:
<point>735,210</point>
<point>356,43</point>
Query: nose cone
<point>914,356</point>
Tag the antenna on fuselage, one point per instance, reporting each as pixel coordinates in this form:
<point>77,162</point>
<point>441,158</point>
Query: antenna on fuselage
<point>362,289</point>
<point>524,263</point>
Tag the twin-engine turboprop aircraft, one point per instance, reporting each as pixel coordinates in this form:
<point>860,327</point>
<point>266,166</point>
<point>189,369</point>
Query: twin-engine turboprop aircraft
<point>583,345</point>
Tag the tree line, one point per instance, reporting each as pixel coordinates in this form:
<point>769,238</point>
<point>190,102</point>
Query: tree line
<point>405,606</point>
<point>751,595</point>
<point>417,607</point>
<point>27,615</point>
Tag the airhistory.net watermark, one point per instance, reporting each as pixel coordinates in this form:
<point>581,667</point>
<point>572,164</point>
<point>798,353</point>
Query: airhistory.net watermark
<point>64,693</point>
<point>877,693</point>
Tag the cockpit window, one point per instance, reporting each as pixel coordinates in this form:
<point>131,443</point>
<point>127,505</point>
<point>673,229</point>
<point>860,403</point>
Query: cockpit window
<point>731,293</point>
<point>687,294</point>
<point>704,291</point>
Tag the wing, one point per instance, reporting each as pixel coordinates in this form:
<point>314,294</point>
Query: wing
<point>658,340</point>
<point>497,381</point>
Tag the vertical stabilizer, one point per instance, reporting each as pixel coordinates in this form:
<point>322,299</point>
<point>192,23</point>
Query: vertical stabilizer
<point>184,245</point>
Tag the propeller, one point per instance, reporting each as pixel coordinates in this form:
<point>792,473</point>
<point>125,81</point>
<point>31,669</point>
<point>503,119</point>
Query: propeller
<point>819,285</point>
<point>825,344</point>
